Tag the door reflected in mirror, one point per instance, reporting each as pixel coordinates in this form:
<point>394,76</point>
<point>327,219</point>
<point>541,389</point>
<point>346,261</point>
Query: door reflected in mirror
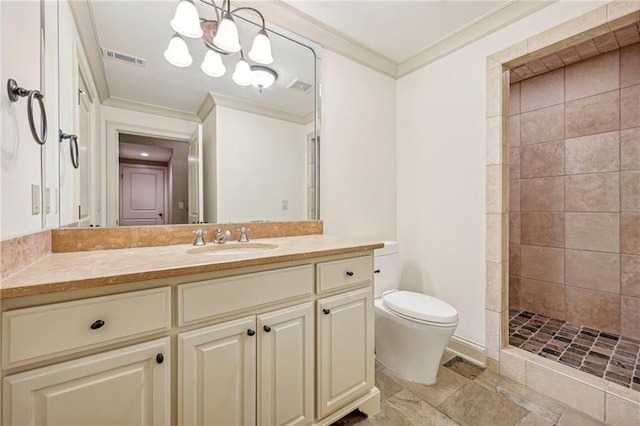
<point>161,144</point>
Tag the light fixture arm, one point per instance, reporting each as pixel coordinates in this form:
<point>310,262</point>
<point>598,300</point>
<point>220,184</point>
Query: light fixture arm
<point>235,11</point>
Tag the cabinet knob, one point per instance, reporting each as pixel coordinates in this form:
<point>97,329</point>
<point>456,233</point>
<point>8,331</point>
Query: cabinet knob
<point>97,324</point>
<point>266,328</point>
<point>349,273</point>
<point>160,358</point>
<point>377,271</point>
<point>251,332</point>
<point>326,311</point>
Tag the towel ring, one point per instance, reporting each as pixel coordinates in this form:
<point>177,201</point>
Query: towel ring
<point>15,93</point>
<point>73,147</point>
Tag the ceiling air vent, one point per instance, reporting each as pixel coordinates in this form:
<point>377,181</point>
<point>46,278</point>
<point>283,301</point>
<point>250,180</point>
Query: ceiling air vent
<point>299,85</point>
<point>118,56</point>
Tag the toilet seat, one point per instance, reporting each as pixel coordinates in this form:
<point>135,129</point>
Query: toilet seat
<point>420,307</point>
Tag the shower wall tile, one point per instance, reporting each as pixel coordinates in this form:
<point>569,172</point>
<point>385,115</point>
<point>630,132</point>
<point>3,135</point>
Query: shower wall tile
<point>630,233</point>
<point>543,125</point>
<point>542,194</point>
<point>630,191</point>
<point>630,65</point>
<point>593,231</point>
<point>630,107</point>
<point>542,159</point>
<point>593,308</point>
<point>514,163</point>
<point>595,114</point>
<point>514,259</point>
<point>542,263</point>
<point>542,229</point>
<point>630,307</point>
<point>542,91</point>
<point>593,270</point>
<point>593,154</point>
<point>630,149</point>
<point>514,228</point>
<point>514,195</point>
<point>543,298</point>
<point>592,77</point>
<point>514,291</point>
<point>630,275</point>
<point>514,131</point>
<point>514,99</point>
<point>592,193</point>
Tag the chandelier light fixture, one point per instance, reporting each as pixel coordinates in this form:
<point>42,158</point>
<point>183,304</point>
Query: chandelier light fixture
<point>220,37</point>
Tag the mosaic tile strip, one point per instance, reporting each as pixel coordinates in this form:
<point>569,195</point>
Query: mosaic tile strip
<point>607,355</point>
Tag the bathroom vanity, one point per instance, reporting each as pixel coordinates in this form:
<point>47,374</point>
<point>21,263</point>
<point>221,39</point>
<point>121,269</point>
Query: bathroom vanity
<point>280,333</point>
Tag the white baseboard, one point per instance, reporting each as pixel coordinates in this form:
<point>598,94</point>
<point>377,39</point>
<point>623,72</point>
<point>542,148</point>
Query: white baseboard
<point>468,350</point>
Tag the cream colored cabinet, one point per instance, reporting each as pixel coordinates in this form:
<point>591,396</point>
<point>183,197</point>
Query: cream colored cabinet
<point>129,386</point>
<point>229,369</point>
<point>345,349</point>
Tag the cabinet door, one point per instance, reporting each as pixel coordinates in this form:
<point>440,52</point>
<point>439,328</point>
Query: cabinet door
<point>129,386</point>
<point>345,348</point>
<point>285,366</point>
<point>217,374</point>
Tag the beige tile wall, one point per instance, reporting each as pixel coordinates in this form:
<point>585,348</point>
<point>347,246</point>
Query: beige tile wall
<point>574,222</point>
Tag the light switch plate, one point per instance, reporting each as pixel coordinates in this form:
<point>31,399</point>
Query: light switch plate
<point>285,204</point>
<point>35,199</point>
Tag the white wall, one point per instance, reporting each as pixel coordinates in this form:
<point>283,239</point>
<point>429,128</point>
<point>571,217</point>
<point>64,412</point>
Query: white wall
<point>19,153</point>
<point>441,169</point>
<point>209,184</point>
<point>260,162</point>
<point>357,150</point>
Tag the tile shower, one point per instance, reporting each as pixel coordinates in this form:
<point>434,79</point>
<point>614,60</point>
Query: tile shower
<point>574,252</point>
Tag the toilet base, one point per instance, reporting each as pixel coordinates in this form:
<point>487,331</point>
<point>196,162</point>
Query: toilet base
<point>410,349</point>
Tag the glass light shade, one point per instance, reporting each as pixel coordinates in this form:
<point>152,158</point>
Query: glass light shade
<point>178,53</point>
<point>242,75</point>
<point>186,20</point>
<point>261,48</point>
<point>212,64</point>
<point>262,77</point>
<point>227,35</point>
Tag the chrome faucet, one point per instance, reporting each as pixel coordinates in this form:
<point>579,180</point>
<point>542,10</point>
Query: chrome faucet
<point>199,237</point>
<point>243,235</point>
<point>221,235</point>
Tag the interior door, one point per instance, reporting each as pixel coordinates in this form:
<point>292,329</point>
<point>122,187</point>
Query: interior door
<point>195,177</point>
<point>143,194</point>
<point>85,146</point>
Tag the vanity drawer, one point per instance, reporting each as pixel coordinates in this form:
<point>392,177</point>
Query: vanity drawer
<point>200,300</point>
<point>342,273</point>
<point>42,332</point>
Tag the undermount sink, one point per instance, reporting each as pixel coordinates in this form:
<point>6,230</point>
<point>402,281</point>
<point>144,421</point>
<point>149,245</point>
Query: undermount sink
<point>233,248</point>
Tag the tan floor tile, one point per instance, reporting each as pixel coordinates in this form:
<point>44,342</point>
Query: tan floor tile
<point>575,418</point>
<point>387,415</point>
<point>417,411</point>
<point>475,405</point>
<point>448,383</point>
<point>387,386</point>
<point>533,420</point>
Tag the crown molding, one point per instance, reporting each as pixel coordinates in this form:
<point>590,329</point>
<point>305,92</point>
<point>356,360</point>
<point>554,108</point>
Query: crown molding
<point>150,109</point>
<point>207,105</point>
<point>226,101</point>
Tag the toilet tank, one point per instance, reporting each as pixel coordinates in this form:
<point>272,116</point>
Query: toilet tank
<point>385,260</point>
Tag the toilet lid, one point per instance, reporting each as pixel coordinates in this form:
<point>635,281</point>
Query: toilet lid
<point>420,306</point>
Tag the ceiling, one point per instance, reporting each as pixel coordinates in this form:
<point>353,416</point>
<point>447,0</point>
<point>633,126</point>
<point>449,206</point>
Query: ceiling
<point>397,30</point>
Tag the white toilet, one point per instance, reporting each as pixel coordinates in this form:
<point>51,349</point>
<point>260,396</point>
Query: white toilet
<point>412,329</point>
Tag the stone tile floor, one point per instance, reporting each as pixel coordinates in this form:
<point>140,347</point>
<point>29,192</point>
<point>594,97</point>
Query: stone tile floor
<point>607,355</point>
<point>464,395</point>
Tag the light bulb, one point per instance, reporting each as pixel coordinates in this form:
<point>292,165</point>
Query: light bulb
<point>178,53</point>
<point>242,75</point>
<point>227,35</point>
<point>212,64</point>
<point>262,77</point>
<point>261,48</point>
<point>186,20</point>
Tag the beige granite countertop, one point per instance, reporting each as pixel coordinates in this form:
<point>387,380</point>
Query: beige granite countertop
<point>59,272</point>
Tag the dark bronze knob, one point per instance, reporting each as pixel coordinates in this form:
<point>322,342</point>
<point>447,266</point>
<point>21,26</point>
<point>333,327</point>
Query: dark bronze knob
<point>377,271</point>
<point>349,273</point>
<point>97,324</point>
<point>251,332</point>
<point>266,328</point>
<point>160,358</point>
<point>326,311</point>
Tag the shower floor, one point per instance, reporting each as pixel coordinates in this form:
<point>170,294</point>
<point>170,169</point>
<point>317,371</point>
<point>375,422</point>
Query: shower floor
<point>607,355</point>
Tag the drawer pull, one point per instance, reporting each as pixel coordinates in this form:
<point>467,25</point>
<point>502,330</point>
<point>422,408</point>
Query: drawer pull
<point>326,311</point>
<point>251,332</point>
<point>97,324</point>
<point>377,271</point>
<point>267,328</point>
<point>349,273</point>
<point>160,358</point>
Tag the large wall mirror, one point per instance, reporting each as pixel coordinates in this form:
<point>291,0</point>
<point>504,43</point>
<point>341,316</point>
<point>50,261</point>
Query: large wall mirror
<point>146,142</point>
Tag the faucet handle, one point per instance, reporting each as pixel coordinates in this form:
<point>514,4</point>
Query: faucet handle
<point>199,237</point>
<point>199,232</point>
<point>243,234</point>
